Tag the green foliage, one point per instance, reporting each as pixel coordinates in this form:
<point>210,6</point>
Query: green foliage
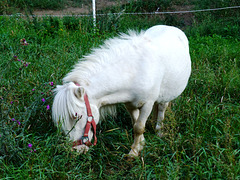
<point>201,127</point>
<point>215,3</point>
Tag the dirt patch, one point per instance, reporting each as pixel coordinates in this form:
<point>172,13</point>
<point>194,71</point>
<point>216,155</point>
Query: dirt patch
<point>67,11</point>
<point>83,9</point>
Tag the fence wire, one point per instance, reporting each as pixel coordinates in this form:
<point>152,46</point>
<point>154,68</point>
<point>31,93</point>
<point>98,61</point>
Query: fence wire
<point>140,13</point>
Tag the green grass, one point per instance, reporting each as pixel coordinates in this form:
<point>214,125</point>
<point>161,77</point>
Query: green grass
<point>202,125</point>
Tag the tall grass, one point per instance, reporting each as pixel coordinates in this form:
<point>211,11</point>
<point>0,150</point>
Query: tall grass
<point>201,129</point>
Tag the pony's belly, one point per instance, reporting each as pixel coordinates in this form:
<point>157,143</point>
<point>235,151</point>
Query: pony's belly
<point>172,90</point>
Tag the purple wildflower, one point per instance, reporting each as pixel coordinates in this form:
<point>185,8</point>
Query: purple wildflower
<point>11,102</point>
<point>43,100</point>
<point>51,83</point>
<point>30,145</point>
<point>33,89</point>
<point>13,119</point>
<point>23,42</point>
<point>48,107</point>
<point>18,122</point>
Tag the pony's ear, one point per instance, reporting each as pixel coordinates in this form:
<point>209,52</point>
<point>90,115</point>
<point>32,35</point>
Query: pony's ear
<point>79,92</point>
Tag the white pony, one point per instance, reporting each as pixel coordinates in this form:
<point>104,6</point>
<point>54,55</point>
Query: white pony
<point>142,70</point>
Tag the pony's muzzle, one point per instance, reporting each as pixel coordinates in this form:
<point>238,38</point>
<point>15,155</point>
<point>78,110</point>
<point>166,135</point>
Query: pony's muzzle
<point>81,148</point>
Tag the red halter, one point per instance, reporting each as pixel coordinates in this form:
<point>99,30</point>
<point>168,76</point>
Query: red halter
<point>90,122</point>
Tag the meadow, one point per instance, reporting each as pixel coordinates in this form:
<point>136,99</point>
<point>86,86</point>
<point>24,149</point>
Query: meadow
<point>202,139</point>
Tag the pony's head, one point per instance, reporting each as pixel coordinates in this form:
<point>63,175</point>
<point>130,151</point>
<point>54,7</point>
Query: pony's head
<point>69,111</point>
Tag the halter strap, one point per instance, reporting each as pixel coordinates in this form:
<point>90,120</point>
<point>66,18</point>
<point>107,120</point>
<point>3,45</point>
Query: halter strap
<point>90,122</point>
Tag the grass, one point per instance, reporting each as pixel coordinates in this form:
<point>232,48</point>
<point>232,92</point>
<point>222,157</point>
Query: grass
<point>202,125</point>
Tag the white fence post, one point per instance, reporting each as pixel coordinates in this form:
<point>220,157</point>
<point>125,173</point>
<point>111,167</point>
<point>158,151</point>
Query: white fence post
<point>94,13</point>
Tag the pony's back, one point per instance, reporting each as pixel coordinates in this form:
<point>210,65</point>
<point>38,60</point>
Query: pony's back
<point>162,31</point>
<point>171,50</point>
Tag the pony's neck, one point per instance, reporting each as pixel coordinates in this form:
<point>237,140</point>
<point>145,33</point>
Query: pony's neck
<point>101,96</point>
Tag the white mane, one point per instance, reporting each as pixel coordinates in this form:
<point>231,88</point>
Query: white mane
<point>104,55</point>
<point>65,105</point>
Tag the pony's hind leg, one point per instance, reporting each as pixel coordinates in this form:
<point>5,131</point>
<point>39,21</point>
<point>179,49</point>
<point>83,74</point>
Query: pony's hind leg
<point>161,108</point>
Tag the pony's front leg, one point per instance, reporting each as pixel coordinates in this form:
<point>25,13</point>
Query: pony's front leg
<point>139,128</point>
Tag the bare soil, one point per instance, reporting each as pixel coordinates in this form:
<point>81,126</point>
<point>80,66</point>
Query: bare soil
<point>85,8</point>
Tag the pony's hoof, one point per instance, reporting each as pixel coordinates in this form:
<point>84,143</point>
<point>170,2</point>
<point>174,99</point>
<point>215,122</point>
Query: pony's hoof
<point>129,157</point>
<point>160,134</point>
<point>133,153</point>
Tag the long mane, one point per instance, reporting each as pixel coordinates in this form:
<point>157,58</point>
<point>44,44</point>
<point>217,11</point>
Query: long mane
<point>105,55</point>
<point>65,104</point>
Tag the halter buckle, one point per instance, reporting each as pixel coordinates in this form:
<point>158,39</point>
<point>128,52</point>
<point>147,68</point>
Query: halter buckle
<point>84,139</point>
<point>89,118</point>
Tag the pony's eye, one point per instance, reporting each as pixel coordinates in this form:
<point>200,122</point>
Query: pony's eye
<point>76,117</point>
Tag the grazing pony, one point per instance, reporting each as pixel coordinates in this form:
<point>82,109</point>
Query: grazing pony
<point>143,70</point>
